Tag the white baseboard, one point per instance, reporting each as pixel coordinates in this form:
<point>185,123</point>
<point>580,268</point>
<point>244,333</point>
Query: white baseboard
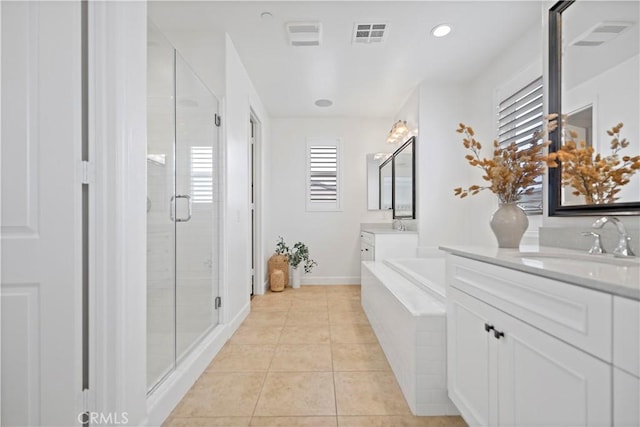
<point>330,280</point>
<point>166,397</point>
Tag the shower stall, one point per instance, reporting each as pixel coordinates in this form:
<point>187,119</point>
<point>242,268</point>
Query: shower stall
<point>183,206</point>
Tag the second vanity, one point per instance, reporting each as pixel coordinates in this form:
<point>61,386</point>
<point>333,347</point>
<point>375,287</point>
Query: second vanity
<point>543,337</point>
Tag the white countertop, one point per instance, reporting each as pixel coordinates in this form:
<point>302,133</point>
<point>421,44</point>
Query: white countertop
<point>387,231</point>
<point>579,268</point>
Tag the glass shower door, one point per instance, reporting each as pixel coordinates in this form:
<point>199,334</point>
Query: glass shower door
<point>196,204</point>
<point>160,226</point>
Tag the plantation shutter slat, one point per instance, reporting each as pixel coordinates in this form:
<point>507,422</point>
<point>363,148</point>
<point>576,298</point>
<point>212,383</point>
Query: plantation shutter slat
<point>323,176</point>
<point>519,117</point>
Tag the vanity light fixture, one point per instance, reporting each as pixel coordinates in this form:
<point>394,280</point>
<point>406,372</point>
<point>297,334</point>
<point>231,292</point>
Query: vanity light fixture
<point>441,30</point>
<point>398,132</point>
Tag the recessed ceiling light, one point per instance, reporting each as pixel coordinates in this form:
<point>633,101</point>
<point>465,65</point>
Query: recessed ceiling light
<point>324,103</point>
<point>266,16</point>
<point>441,30</point>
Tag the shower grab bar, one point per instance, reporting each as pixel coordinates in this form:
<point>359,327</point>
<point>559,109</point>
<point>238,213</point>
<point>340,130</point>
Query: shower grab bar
<point>173,206</point>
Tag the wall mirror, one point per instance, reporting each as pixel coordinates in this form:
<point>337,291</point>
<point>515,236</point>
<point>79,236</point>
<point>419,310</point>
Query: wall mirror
<point>593,82</point>
<point>403,194</point>
<point>385,175</point>
<point>374,160</point>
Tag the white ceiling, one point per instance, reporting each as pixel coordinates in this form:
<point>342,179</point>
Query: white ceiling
<point>361,80</point>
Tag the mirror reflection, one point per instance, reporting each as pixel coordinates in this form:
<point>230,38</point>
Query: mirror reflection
<point>599,89</point>
<point>386,180</point>
<point>403,181</point>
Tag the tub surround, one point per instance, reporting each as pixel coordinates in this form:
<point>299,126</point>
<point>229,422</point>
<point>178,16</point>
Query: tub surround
<point>410,324</point>
<point>579,268</point>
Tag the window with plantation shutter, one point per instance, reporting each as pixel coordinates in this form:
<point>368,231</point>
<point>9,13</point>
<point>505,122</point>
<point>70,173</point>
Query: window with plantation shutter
<point>323,174</point>
<point>519,117</point>
<point>201,174</point>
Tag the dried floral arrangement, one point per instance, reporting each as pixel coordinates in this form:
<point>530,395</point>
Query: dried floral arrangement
<point>510,173</point>
<point>596,177</point>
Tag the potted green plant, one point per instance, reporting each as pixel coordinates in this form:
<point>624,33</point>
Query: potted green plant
<point>299,257</point>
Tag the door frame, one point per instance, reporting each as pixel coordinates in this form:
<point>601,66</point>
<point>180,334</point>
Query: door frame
<point>255,169</point>
<point>117,141</point>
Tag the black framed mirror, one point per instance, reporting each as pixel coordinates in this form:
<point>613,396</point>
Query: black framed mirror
<point>404,171</point>
<point>593,83</point>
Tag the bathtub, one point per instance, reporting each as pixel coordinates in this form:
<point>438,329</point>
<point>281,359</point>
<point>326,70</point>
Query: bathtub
<point>427,274</point>
<point>404,300</point>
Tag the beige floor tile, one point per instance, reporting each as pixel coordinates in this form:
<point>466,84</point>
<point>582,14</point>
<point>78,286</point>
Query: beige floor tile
<point>305,334</point>
<point>294,422</point>
<point>309,304</point>
<point>297,318</point>
<point>243,358</point>
<point>400,421</point>
<point>256,335</point>
<point>310,289</point>
<point>266,318</point>
<point>352,334</point>
<point>344,303</point>
<point>348,317</point>
<point>369,393</point>
<point>297,394</point>
<point>270,305</point>
<point>208,422</point>
<point>359,357</point>
<point>343,289</point>
<point>218,394</point>
<point>302,358</point>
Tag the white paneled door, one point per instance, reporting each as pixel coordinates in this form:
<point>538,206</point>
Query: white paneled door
<point>41,213</point>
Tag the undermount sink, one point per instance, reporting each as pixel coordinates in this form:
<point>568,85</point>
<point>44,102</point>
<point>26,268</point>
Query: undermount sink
<point>577,258</point>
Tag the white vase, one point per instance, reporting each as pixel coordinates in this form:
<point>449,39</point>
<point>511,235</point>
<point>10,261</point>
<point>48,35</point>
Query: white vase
<point>509,223</point>
<point>296,277</point>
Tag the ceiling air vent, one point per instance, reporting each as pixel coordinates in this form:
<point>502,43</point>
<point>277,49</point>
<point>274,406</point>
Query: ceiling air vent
<point>304,33</point>
<point>601,33</point>
<point>369,33</point>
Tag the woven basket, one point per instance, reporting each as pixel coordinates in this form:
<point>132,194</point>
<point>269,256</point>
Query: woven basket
<point>280,262</point>
<point>276,281</point>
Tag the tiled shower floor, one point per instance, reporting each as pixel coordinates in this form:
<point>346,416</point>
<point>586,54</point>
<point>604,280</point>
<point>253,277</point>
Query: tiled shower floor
<point>303,357</point>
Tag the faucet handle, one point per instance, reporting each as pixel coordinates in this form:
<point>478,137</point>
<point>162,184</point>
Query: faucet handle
<point>624,249</point>
<point>596,246</point>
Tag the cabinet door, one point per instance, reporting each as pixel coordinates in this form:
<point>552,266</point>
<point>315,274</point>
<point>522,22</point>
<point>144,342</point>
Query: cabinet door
<point>468,358</point>
<point>543,381</point>
<point>626,399</point>
<point>366,252</point>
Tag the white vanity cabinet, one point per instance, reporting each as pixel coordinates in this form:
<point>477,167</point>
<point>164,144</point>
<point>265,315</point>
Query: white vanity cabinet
<point>626,362</point>
<point>376,245</point>
<point>522,349</point>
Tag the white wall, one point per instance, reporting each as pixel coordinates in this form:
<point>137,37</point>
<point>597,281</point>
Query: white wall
<point>241,99</point>
<point>333,237</point>
<point>205,53</point>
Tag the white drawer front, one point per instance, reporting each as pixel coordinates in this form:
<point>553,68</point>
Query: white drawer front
<point>579,316</point>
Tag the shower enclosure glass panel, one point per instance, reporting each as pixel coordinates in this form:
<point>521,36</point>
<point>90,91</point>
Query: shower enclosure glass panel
<point>182,209</point>
<point>196,207</point>
<point>161,355</point>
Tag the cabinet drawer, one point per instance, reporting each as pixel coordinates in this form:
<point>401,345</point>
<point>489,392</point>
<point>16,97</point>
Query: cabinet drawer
<point>579,316</point>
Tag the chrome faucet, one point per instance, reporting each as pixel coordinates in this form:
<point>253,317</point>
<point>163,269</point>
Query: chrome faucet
<point>398,225</point>
<point>623,249</point>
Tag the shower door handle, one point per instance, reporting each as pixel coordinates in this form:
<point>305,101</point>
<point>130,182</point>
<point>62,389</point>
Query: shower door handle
<point>174,207</point>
